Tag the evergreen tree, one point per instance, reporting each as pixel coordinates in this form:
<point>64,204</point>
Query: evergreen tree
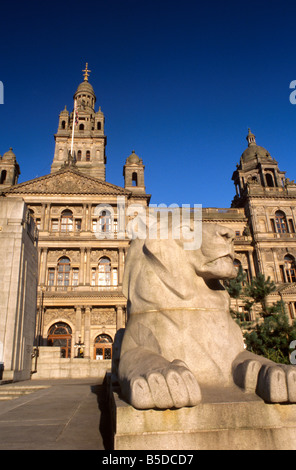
<point>272,337</point>
<point>258,290</point>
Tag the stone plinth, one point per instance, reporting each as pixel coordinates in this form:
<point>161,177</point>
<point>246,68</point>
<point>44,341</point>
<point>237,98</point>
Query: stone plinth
<point>227,419</point>
<point>50,365</point>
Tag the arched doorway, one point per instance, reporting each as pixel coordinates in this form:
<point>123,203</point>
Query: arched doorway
<point>103,347</point>
<point>60,334</point>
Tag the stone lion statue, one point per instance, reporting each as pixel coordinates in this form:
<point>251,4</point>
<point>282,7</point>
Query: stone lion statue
<point>180,337</point>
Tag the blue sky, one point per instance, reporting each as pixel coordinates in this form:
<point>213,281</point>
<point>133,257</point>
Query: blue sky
<point>178,82</point>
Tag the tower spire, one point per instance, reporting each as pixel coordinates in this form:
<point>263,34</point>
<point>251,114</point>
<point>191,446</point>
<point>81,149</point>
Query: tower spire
<point>86,72</point>
<point>250,138</point>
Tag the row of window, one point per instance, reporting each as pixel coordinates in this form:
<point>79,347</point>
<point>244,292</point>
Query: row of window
<point>60,334</point>
<point>67,223</point>
<point>64,275</point>
<point>287,270</point>
<point>81,126</point>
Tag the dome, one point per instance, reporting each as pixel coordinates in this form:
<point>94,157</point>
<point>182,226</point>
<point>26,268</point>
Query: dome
<point>253,151</point>
<point>133,158</point>
<point>85,87</point>
<point>9,155</point>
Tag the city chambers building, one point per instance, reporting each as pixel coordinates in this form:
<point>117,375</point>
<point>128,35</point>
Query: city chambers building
<point>82,249</point>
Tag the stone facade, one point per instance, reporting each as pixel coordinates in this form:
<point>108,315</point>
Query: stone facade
<point>18,280</point>
<point>81,250</point>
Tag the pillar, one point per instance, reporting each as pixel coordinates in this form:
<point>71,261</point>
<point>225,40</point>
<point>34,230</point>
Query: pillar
<point>87,333</point>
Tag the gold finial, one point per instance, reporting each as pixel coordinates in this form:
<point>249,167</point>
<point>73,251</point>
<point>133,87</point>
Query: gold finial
<point>86,72</point>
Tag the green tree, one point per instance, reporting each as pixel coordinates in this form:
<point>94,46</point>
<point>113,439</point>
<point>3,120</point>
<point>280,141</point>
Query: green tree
<point>272,336</point>
<point>234,288</point>
<point>259,289</point>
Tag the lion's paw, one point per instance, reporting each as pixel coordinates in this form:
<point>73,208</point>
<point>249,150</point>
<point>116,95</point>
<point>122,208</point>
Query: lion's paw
<point>277,383</point>
<point>171,387</point>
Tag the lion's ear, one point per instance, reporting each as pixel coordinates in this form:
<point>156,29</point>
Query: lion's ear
<point>167,259</point>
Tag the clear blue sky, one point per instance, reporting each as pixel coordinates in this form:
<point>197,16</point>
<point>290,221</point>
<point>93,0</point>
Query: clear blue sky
<point>179,82</point>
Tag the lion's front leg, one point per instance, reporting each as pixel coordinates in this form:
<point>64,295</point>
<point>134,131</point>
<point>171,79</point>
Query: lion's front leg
<point>275,383</point>
<point>148,380</point>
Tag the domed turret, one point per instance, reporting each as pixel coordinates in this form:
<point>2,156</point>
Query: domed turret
<point>133,158</point>
<point>253,151</point>
<point>256,171</point>
<point>9,156</point>
<point>9,170</point>
<point>85,95</point>
<point>133,173</point>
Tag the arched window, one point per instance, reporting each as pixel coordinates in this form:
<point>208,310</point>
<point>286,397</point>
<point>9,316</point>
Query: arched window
<point>3,176</point>
<point>87,156</point>
<point>290,269</point>
<point>99,126</point>
<point>63,125</point>
<point>60,334</point>
<point>67,221</point>
<point>104,275</point>
<point>280,222</point>
<point>103,347</point>
<point>79,156</point>
<point>81,127</point>
<point>64,271</point>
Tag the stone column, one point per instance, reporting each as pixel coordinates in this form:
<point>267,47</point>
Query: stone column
<point>47,217</point>
<point>43,216</point>
<point>78,323</point>
<point>119,318</point>
<point>120,266</point>
<point>43,266</point>
<point>87,352</point>
<point>89,218</point>
<point>81,268</point>
<point>87,276</point>
<point>84,224</point>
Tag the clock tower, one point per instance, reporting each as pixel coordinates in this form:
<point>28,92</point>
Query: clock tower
<point>81,133</point>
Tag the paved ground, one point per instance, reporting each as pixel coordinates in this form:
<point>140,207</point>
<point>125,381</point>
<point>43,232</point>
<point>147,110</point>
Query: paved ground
<point>66,415</point>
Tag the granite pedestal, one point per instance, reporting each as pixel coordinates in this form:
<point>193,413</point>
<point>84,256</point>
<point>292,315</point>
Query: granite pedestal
<point>226,419</point>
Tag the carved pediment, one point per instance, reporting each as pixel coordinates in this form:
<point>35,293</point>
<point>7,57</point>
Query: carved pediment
<point>67,181</point>
<point>288,289</point>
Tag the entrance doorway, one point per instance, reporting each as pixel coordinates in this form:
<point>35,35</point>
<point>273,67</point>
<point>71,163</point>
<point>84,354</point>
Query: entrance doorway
<point>60,334</point>
<point>103,347</point>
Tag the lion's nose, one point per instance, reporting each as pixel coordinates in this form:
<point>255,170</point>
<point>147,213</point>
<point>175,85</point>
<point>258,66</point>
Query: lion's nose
<point>226,233</point>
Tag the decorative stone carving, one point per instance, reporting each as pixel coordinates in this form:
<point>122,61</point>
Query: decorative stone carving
<point>67,181</point>
<point>103,316</point>
<point>180,337</point>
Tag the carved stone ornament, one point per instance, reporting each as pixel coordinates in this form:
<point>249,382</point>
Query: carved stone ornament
<point>67,181</point>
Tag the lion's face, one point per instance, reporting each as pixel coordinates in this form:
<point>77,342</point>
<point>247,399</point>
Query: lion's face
<point>215,257</point>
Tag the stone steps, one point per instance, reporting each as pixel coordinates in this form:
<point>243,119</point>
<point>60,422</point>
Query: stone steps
<point>16,391</point>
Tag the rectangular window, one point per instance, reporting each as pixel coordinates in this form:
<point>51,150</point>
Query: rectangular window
<point>51,276</point>
<point>55,225</point>
<point>78,225</point>
<point>272,225</point>
<point>94,225</point>
<point>115,279</point>
<point>283,279</point>
<point>38,223</point>
<point>93,276</point>
<point>75,277</point>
